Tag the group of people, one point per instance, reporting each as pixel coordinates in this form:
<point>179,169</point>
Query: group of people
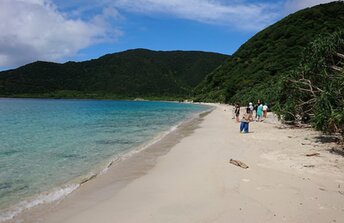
<point>260,109</point>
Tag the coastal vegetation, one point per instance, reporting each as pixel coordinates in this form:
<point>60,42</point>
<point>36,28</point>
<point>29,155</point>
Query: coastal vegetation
<point>295,65</point>
<point>125,75</point>
<point>314,91</point>
<point>255,68</point>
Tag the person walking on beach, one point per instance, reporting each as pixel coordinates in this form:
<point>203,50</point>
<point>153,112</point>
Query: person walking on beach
<point>265,110</point>
<point>237,112</point>
<point>259,113</point>
<point>251,108</point>
<point>255,108</point>
<point>233,111</point>
<point>248,109</point>
<point>244,123</point>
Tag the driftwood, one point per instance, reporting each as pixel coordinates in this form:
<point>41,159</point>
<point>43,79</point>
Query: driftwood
<point>313,154</point>
<point>238,163</point>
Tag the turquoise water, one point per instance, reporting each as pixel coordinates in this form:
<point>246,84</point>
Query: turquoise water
<point>49,143</point>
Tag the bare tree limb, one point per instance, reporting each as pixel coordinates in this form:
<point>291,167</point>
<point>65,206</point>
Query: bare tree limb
<point>336,68</point>
<point>340,55</point>
<point>310,101</point>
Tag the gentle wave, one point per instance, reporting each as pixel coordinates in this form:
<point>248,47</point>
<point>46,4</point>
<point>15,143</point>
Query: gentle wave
<point>62,192</point>
<point>40,199</point>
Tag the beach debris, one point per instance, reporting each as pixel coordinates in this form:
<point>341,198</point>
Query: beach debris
<point>308,165</point>
<point>110,164</point>
<point>88,178</point>
<point>313,154</point>
<point>238,163</point>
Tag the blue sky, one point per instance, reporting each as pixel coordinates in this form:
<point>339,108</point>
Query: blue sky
<point>63,30</point>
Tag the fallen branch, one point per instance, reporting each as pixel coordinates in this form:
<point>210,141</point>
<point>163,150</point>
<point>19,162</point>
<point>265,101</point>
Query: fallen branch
<point>313,154</point>
<point>238,163</point>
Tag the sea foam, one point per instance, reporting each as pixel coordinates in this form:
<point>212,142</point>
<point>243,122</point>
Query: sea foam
<point>43,198</point>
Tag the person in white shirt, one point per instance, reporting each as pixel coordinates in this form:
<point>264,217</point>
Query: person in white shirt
<point>265,110</point>
<point>250,110</point>
<point>233,111</point>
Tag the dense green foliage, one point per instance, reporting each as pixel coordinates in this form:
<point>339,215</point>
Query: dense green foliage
<point>253,71</point>
<point>314,91</point>
<point>129,74</point>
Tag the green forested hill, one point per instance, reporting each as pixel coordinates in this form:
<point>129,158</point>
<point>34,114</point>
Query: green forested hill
<point>132,73</point>
<point>258,64</point>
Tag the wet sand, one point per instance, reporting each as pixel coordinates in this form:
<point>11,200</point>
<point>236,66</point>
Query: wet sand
<point>187,178</point>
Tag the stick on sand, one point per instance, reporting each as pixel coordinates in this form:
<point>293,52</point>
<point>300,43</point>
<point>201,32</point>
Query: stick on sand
<point>238,163</point>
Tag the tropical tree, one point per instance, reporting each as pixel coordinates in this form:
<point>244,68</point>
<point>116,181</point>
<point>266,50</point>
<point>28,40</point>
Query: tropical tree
<point>314,92</point>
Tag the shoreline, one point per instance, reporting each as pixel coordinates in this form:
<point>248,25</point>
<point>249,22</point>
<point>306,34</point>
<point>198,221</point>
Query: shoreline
<point>193,181</point>
<point>44,201</point>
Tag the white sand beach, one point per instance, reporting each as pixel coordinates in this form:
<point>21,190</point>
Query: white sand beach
<point>193,181</point>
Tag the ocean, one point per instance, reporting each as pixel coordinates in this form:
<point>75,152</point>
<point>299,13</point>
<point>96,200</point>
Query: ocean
<point>49,146</point>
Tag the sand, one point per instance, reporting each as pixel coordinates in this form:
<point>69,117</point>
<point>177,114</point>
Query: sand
<point>188,178</point>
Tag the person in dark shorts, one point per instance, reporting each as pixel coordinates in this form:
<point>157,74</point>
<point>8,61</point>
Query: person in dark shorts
<point>255,107</point>
<point>237,112</point>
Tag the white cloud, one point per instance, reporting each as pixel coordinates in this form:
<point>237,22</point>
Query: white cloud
<point>295,5</point>
<point>38,30</point>
<point>239,14</point>
<point>35,30</point>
